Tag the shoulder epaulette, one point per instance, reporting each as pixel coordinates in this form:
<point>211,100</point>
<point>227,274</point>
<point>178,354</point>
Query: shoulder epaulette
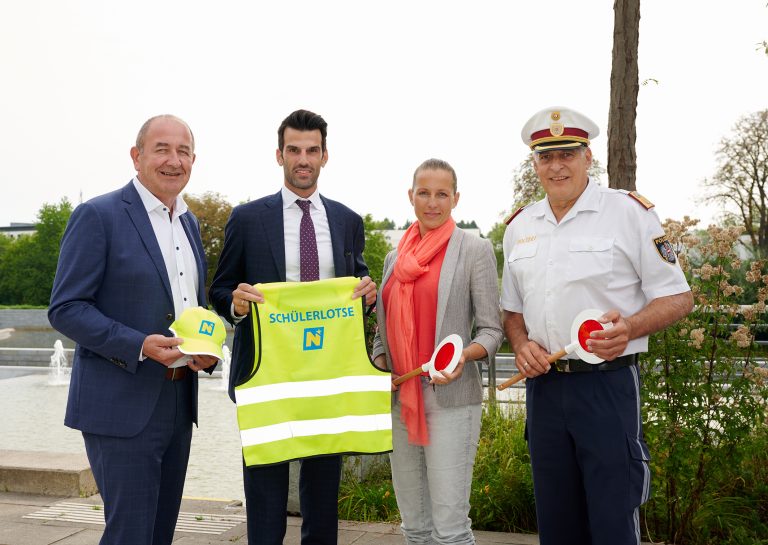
<point>639,198</point>
<point>514,215</point>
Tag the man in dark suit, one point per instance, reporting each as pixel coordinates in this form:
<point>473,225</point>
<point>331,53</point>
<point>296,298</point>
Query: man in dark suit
<point>267,241</point>
<point>131,261</point>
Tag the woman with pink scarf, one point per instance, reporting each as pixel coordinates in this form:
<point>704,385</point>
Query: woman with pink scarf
<point>439,281</point>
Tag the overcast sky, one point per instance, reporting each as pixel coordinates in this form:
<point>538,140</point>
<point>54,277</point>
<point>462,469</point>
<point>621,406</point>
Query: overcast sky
<point>397,81</point>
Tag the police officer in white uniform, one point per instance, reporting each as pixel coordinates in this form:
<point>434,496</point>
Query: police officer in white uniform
<point>585,247</point>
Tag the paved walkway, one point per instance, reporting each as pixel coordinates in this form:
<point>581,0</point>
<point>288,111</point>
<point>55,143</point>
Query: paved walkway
<point>27,519</point>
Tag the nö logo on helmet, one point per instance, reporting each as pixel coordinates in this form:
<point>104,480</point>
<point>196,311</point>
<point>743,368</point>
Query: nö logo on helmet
<point>206,328</point>
<point>313,338</point>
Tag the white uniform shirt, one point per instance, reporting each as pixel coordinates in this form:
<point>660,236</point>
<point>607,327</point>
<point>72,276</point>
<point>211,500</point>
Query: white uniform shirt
<point>603,255</point>
<point>178,256</point>
<point>292,215</point>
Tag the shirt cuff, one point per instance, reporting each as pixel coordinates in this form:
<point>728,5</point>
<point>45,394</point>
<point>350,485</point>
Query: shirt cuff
<point>235,318</point>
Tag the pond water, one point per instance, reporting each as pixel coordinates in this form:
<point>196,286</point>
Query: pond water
<point>33,416</point>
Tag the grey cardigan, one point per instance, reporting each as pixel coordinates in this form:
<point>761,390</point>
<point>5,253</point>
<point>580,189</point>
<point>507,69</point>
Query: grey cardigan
<point>467,294</point>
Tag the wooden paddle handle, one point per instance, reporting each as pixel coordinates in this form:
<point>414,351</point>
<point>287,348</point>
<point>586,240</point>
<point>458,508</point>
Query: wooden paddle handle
<point>410,374</point>
<point>507,383</point>
<point>518,377</point>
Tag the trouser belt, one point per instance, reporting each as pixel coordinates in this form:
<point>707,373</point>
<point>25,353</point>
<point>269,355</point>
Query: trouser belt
<point>581,366</point>
<point>176,373</point>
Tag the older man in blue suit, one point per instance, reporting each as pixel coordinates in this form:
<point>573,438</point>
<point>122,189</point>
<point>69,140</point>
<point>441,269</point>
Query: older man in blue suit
<point>293,235</point>
<point>131,261</point>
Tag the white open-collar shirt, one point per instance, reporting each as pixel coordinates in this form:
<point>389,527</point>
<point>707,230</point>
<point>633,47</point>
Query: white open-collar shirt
<point>178,256</point>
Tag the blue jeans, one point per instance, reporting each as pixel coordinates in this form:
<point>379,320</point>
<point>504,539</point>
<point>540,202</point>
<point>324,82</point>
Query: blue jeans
<point>432,483</point>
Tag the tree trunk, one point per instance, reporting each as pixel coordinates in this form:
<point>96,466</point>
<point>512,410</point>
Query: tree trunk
<point>622,158</point>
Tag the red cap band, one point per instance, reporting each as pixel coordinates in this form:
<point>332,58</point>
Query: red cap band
<point>567,131</point>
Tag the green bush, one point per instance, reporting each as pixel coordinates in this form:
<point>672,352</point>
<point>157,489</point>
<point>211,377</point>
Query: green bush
<point>502,487</point>
<point>705,402</point>
<point>371,499</point>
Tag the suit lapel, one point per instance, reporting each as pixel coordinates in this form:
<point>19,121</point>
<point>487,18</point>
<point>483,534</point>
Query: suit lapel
<point>450,262</point>
<point>272,223</point>
<point>138,215</point>
<point>336,226</point>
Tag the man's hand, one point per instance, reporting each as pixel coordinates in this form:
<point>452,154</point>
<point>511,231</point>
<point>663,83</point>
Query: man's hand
<point>201,361</point>
<point>610,343</point>
<point>242,297</point>
<point>531,359</point>
<point>162,349</point>
<point>366,288</point>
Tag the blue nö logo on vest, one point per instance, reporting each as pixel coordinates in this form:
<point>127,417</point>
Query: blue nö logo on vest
<point>313,338</point>
<point>206,328</point>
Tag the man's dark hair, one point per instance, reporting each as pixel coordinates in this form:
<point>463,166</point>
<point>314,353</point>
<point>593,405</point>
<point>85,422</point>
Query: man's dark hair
<point>302,120</point>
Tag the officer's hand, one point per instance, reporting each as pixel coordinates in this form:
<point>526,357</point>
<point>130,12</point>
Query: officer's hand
<point>366,288</point>
<point>446,378</point>
<point>201,361</point>
<point>531,360</point>
<point>242,297</point>
<point>395,376</point>
<point>162,349</point>
<point>610,343</point>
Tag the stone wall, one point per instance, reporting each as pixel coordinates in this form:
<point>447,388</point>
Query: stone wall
<point>24,319</point>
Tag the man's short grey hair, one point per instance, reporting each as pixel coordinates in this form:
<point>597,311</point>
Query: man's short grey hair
<point>436,164</point>
<point>145,129</point>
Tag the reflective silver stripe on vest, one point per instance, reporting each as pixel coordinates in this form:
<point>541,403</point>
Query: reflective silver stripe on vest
<point>304,428</point>
<point>312,388</point>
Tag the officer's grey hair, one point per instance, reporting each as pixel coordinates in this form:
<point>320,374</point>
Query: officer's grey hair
<point>145,129</point>
<point>436,164</point>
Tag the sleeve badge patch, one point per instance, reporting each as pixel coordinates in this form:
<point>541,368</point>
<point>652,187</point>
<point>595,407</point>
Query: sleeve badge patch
<point>664,247</point>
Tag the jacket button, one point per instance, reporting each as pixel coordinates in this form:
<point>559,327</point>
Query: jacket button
<point>169,317</point>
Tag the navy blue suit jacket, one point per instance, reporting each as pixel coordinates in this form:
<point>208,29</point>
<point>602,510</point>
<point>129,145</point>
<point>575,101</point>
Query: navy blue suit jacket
<point>254,251</point>
<point>112,290</point>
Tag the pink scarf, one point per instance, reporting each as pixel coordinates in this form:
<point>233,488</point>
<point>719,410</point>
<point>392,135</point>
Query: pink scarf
<point>413,255</point>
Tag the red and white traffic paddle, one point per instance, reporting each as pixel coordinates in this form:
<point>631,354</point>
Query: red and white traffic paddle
<point>445,358</point>
<point>585,323</point>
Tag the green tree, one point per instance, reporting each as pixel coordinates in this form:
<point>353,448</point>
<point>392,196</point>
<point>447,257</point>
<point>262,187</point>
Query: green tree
<point>28,265</point>
<point>467,224</point>
<point>376,249</point>
<point>383,225</point>
<point>740,183</point>
<point>496,236</point>
<point>212,211</point>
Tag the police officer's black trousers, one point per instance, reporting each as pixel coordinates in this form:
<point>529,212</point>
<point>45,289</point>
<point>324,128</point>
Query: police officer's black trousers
<point>590,463</point>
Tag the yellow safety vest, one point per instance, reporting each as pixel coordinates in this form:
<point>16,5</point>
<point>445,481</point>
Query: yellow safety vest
<point>313,390</point>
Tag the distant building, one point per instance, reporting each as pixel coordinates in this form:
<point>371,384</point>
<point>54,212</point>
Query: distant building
<point>393,236</point>
<point>15,230</point>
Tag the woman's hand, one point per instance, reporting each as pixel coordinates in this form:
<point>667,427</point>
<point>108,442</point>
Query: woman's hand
<point>446,378</point>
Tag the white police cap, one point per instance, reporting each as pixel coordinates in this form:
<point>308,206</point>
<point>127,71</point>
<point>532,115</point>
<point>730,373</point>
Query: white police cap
<point>558,127</point>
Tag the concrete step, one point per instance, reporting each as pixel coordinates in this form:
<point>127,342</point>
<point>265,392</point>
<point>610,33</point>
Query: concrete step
<point>46,473</point>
